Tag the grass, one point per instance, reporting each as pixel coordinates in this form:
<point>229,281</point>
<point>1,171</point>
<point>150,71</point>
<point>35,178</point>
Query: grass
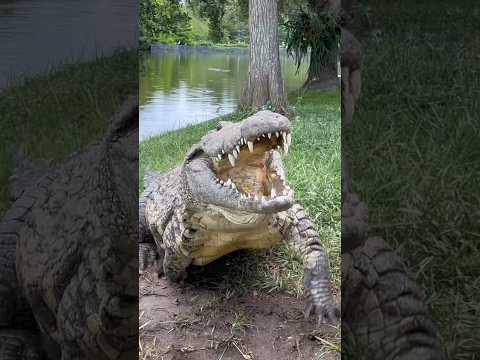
<point>415,152</point>
<point>313,171</point>
<point>55,114</point>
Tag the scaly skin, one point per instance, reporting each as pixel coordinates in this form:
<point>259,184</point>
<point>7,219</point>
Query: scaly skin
<point>298,229</point>
<point>385,316</point>
<point>70,255</point>
<point>194,220</point>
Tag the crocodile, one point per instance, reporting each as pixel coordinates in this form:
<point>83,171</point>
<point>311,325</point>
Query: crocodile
<point>230,193</point>
<point>68,259</point>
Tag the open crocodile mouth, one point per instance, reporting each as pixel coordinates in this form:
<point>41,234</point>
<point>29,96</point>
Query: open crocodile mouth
<point>254,168</point>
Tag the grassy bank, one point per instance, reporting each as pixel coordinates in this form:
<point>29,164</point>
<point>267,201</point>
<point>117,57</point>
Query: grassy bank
<point>415,152</point>
<point>55,114</point>
<point>313,171</point>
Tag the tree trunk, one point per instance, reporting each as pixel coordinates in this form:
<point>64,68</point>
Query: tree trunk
<point>265,82</point>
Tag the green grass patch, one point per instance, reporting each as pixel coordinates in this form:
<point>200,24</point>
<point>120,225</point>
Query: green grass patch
<point>416,134</point>
<point>52,115</point>
<point>313,171</point>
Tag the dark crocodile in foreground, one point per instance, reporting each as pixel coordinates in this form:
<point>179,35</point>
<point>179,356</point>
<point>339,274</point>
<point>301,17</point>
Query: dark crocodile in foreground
<point>68,264</point>
<point>230,194</point>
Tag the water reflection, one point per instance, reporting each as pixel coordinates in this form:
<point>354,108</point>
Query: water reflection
<point>180,88</point>
<point>35,35</point>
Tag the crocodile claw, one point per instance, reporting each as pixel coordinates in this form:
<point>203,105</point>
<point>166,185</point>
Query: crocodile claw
<point>319,298</point>
<point>326,313</point>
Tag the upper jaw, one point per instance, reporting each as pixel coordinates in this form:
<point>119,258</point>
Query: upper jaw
<point>283,137</point>
<point>227,142</point>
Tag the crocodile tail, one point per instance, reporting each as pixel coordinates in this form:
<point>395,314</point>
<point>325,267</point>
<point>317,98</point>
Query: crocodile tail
<point>384,315</point>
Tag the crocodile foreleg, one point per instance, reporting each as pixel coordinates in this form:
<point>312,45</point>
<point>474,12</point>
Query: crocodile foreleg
<point>384,313</point>
<point>298,229</point>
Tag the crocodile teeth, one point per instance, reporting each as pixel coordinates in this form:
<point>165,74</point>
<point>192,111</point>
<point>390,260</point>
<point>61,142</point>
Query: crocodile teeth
<point>258,139</point>
<point>289,139</point>
<point>263,135</point>
<point>284,135</point>
<point>231,158</point>
<point>278,147</point>
<point>277,134</point>
<point>285,147</point>
<point>235,153</point>
<point>221,182</point>
<point>233,186</point>
<point>219,157</point>
<point>228,183</point>
<point>269,135</point>
<point>223,152</point>
<point>273,193</point>
<point>256,197</point>
<point>238,148</point>
<point>250,146</point>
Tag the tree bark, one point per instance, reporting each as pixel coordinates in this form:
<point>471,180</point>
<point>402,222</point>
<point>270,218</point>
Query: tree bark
<point>265,82</point>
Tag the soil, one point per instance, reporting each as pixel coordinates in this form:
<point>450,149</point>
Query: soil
<point>199,322</point>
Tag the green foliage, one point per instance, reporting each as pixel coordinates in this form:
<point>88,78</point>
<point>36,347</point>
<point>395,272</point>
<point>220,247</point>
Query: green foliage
<point>199,28</point>
<point>308,31</point>
<point>213,11</point>
<point>225,19</point>
<point>235,24</point>
<point>164,21</point>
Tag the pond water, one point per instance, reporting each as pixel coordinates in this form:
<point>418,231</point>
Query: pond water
<point>35,34</point>
<point>178,88</point>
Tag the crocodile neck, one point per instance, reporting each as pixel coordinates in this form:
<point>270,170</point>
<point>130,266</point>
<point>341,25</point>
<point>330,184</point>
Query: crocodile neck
<point>219,231</point>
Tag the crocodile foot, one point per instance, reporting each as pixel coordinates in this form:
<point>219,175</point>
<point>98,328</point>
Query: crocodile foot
<point>319,300</point>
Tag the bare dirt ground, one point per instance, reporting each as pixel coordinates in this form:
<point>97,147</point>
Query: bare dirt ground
<point>203,320</point>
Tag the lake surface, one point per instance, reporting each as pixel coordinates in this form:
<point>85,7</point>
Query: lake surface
<point>35,34</point>
<point>184,87</point>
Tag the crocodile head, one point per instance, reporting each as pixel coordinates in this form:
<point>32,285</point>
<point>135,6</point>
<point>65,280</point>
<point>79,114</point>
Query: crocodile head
<point>238,166</point>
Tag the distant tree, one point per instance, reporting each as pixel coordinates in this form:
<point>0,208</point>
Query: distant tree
<point>312,27</point>
<point>265,82</point>
<point>164,21</point>
<point>213,11</point>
